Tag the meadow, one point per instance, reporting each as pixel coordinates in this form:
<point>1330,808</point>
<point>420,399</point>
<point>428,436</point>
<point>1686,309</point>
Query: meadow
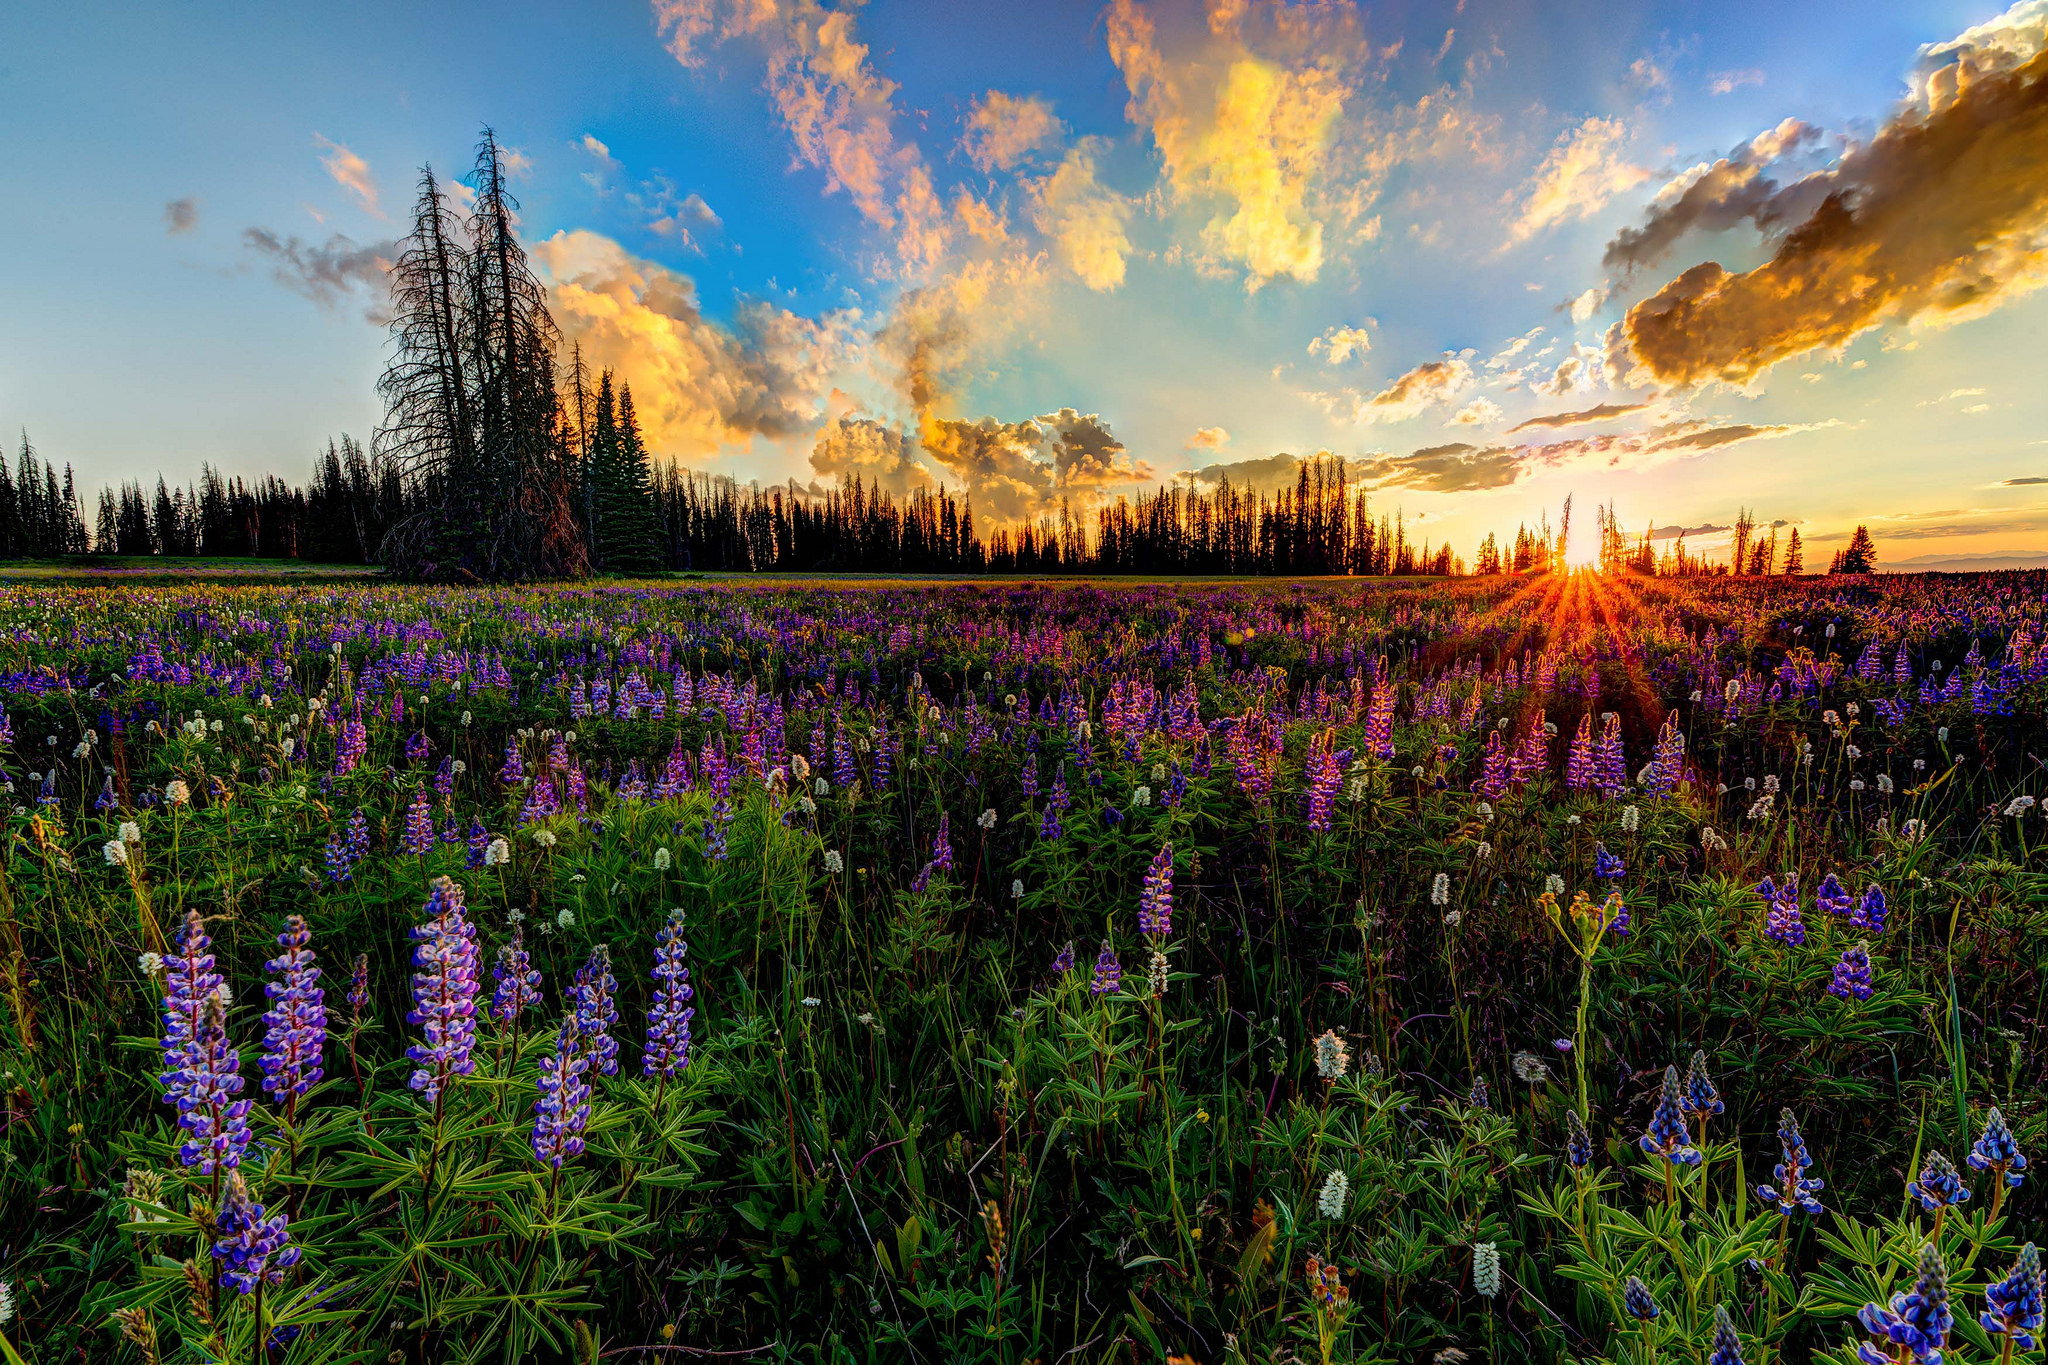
<point>1558,969</point>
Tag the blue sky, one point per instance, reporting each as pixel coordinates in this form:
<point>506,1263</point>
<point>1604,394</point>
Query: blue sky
<point>1064,250</point>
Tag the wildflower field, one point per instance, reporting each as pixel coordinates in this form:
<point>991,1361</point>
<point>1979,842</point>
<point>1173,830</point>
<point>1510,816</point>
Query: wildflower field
<point>1561,969</point>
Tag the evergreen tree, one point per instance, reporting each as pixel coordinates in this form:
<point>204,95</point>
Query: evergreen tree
<point>1795,558</point>
<point>1860,555</point>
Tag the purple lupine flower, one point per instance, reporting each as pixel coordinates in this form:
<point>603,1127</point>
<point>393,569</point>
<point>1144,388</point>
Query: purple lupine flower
<point>189,982</point>
<point>1852,973</point>
<point>296,1023</point>
<point>518,983</point>
<point>1379,721</point>
<point>1155,900</point>
<point>1997,1153</point>
<point>476,845</point>
<point>1606,866</point>
<point>1578,767</point>
<point>1612,771</point>
<point>597,1010</point>
<point>1702,1101</point>
<point>444,992</point>
<point>1578,1143</point>
<point>351,744</point>
<point>1109,973</point>
<point>418,748</point>
<point>2012,1306</point>
<point>1870,910</point>
<point>1063,962</point>
<point>563,1109</point>
<point>1782,922</point>
<point>444,778</point>
<point>1832,898</point>
<point>1666,1136</point>
<point>1919,1321</point>
<point>942,847</point>
<point>1325,776</point>
<point>1493,780</point>
<point>514,770</point>
<point>1727,1345</point>
<point>347,847</point>
<point>203,1086</point>
<point>1790,1190</point>
<point>1940,1186</point>
<point>419,825</point>
<point>1638,1301</point>
<point>1479,1097</point>
<point>252,1250</point>
<point>668,1021</point>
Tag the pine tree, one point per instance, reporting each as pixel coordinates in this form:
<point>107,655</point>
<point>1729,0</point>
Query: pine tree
<point>634,542</point>
<point>1859,555</point>
<point>1795,559</point>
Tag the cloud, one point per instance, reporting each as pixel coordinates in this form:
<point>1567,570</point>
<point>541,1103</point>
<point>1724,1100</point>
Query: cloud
<point>350,172</point>
<point>1478,413</point>
<point>698,386</point>
<point>1013,471</point>
<point>1214,438</point>
<point>1586,304</point>
<point>1244,117</point>
<point>1002,129</point>
<point>1430,383</point>
<point>1582,172</point>
<point>1717,196</point>
<point>1261,474</point>
<point>1951,395</point>
<point>180,216</point>
<point>1453,468</point>
<point>330,271</point>
<point>1988,563</point>
<point>1728,82</point>
<point>1935,219</point>
<point>1603,413</point>
<point>1083,220</point>
<point>2024,482</point>
<point>838,110</point>
<point>1674,532</point>
<point>1340,343</point>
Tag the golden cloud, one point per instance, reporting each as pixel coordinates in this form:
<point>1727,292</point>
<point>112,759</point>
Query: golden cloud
<point>1582,172</point>
<point>1003,129</point>
<point>1244,116</point>
<point>698,387</point>
<point>1942,216</point>
<point>1083,220</point>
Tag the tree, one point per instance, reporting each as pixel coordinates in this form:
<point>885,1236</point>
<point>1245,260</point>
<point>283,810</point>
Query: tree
<point>1795,559</point>
<point>1859,555</point>
<point>474,428</point>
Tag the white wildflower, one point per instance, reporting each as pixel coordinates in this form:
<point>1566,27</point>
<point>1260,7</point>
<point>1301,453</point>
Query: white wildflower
<point>1440,889</point>
<point>987,819</point>
<point>1155,974</point>
<point>811,1002</point>
<point>1017,889</point>
<point>565,917</point>
<point>1336,1189</point>
<point>151,963</point>
<point>1554,884</point>
<point>115,852</point>
<point>1631,819</point>
<point>497,853</point>
<point>129,833</point>
<point>545,838</point>
<point>2019,806</point>
<point>1142,797</point>
<point>176,793</point>
<point>663,860</point>
<point>1333,1057</point>
<point>834,864</point>
<point>1486,1268</point>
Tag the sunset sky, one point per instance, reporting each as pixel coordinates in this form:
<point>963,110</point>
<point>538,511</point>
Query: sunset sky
<point>1688,257</point>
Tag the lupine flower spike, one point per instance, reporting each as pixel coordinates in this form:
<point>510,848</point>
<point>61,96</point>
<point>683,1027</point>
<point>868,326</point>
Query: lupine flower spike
<point>1939,1188</point>
<point>1852,974</point>
<point>1727,1345</point>
<point>2012,1306</point>
<point>1791,1191</point>
<point>668,1022</point>
<point>252,1250</point>
<point>1667,1136</point>
<point>444,993</point>
<point>1702,1100</point>
<point>1916,1324</point>
<point>296,1023</point>
<point>563,1109</point>
<point>1996,1152</point>
<point>1578,1143</point>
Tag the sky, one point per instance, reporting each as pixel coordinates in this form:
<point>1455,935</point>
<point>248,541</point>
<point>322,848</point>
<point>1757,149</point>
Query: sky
<point>1683,258</point>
